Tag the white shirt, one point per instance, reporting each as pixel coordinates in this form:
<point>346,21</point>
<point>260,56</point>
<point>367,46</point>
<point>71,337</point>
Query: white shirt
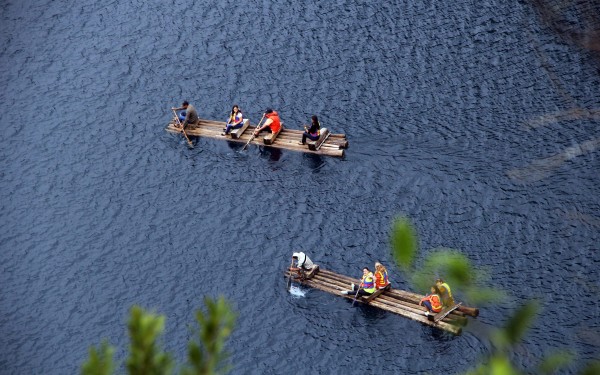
<point>303,261</point>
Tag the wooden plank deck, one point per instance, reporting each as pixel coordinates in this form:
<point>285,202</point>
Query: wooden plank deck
<point>394,300</point>
<point>287,139</point>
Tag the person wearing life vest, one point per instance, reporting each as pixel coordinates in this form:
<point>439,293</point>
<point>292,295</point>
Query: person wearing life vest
<point>381,276</point>
<point>235,121</point>
<point>432,301</point>
<point>445,292</point>
<point>303,264</point>
<point>366,287</point>
<point>272,123</point>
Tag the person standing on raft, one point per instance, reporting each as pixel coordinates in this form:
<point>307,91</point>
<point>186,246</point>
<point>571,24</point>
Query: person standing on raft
<point>314,132</point>
<point>235,121</point>
<point>432,301</point>
<point>188,116</point>
<point>304,265</point>
<point>445,292</point>
<point>381,277</point>
<point>272,124</point>
<point>366,287</point>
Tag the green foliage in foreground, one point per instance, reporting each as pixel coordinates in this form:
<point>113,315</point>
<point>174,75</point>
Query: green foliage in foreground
<point>456,269</point>
<point>206,354</point>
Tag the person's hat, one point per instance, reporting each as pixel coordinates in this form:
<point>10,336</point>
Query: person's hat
<point>269,110</point>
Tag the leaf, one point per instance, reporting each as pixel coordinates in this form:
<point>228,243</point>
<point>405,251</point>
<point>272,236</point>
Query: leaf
<point>520,322</point>
<point>100,362</point>
<point>592,368</point>
<point>206,354</point>
<point>500,365</point>
<point>145,355</point>
<point>404,242</point>
<point>480,295</point>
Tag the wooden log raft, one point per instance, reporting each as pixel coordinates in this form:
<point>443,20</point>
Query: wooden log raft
<point>287,139</point>
<point>269,139</point>
<point>236,133</point>
<point>394,300</point>
<point>316,145</point>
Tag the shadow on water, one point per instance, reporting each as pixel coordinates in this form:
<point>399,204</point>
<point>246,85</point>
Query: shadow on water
<point>315,162</point>
<point>235,146</point>
<point>370,313</point>
<point>438,334</point>
<point>274,154</point>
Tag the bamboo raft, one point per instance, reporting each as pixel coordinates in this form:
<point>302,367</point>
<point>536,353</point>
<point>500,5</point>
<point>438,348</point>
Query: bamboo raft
<point>397,301</point>
<point>288,139</point>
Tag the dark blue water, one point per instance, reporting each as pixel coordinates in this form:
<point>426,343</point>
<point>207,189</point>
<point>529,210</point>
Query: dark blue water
<point>457,115</point>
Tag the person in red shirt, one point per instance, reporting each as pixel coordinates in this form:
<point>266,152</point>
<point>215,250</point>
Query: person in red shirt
<point>272,124</point>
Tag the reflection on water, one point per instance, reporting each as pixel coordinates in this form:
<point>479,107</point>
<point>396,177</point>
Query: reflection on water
<point>314,161</point>
<point>274,154</point>
<point>235,146</point>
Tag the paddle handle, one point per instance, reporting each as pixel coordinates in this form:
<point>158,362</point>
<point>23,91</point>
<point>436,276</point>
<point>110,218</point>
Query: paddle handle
<point>357,290</point>
<point>252,137</point>
<point>182,128</point>
<point>290,274</point>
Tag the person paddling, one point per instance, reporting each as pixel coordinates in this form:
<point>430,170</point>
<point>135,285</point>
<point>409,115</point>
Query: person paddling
<point>432,301</point>
<point>366,287</point>
<point>314,132</point>
<point>188,116</point>
<point>304,265</point>
<point>272,124</point>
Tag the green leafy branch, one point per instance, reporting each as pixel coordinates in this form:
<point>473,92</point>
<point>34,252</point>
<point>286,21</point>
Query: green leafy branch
<point>206,354</point>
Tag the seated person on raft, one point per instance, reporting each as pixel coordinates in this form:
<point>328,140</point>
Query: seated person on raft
<point>188,116</point>
<point>366,287</point>
<point>313,133</point>
<point>272,124</point>
<point>235,121</point>
<point>304,265</point>
<point>432,301</point>
<point>381,276</point>
<point>445,292</point>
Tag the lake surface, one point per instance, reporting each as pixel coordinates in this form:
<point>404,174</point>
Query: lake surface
<point>460,115</point>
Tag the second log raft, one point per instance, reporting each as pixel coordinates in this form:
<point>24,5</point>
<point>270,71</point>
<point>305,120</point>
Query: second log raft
<point>397,301</point>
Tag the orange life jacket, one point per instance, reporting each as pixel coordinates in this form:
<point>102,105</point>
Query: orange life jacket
<point>381,279</point>
<point>436,303</point>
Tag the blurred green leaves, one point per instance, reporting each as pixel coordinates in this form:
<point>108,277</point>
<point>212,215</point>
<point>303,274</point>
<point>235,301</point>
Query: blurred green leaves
<point>467,280</point>
<point>100,361</point>
<point>206,355</point>
<point>404,243</point>
<point>145,355</point>
<point>451,265</point>
<point>516,326</point>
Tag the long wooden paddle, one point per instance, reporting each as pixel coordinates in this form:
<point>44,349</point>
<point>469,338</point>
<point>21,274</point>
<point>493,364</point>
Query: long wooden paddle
<point>357,290</point>
<point>289,283</point>
<point>182,129</point>
<point>253,135</point>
